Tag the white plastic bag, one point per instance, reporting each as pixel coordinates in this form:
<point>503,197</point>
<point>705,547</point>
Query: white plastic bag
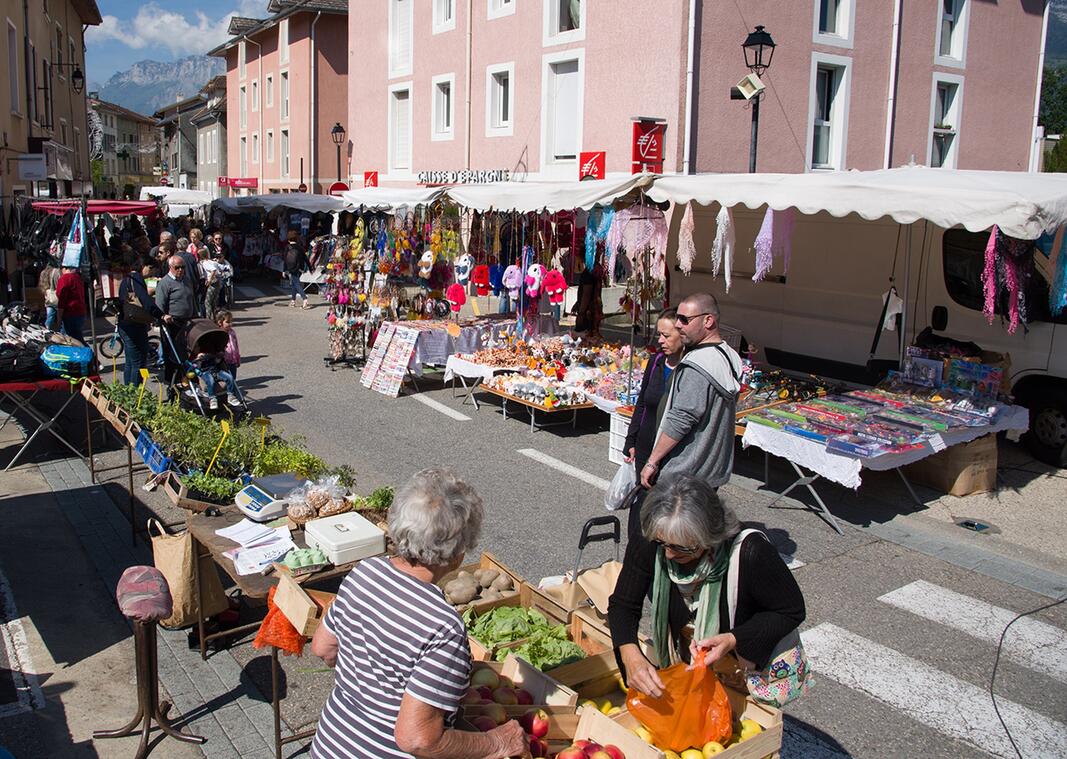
<point>621,484</point>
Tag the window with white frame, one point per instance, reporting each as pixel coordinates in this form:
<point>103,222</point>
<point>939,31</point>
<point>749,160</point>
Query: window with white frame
<point>498,8</point>
<point>255,147</point>
<point>561,108</point>
<point>444,109</point>
<point>952,32</point>
<point>284,149</point>
<point>829,112</point>
<point>283,40</point>
<point>242,61</point>
<point>400,43</point>
<point>400,128</point>
<point>499,89</point>
<point>244,156</point>
<point>270,146</point>
<point>564,21</point>
<point>13,67</point>
<point>59,53</point>
<point>444,15</point>
<point>200,151</point>
<point>255,94</point>
<point>243,106</point>
<point>834,22</point>
<point>945,111</point>
<point>268,91</point>
<point>284,93</point>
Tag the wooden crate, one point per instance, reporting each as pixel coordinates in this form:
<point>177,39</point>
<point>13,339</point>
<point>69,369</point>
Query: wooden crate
<point>91,391</point>
<point>132,432</point>
<point>547,693</point>
<point>179,495</point>
<point>595,676</point>
<point>303,608</point>
<point>487,561</point>
<point>525,598</point>
<point>121,420</point>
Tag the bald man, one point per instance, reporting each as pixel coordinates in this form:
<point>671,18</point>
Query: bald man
<point>176,300</point>
<point>697,419</point>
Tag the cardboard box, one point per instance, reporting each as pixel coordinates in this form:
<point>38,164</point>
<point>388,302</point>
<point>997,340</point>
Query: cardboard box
<point>959,470</point>
<point>303,608</point>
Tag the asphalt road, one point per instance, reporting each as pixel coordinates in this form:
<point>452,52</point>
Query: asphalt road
<point>902,644</point>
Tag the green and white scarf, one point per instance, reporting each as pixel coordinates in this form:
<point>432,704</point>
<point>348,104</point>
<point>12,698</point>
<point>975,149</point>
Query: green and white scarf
<point>704,581</point>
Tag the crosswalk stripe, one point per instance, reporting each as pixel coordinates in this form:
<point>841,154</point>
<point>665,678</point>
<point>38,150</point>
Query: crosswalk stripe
<point>1030,642</point>
<point>438,406</point>
<point>951,706</point>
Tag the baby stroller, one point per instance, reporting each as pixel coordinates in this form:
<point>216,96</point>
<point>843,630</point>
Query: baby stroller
<point>205,337</point>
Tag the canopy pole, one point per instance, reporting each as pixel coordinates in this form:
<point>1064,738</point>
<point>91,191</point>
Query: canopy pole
<point>907,301</point>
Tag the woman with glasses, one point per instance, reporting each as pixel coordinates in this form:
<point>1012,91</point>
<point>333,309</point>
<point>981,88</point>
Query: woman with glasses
<point>685,565</point>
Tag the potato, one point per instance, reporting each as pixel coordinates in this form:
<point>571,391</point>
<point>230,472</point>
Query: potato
<point>463,574</point>
<point>461,594</point>
<point>502,583</point>
<point>490,595</point>
<point>486,577</point>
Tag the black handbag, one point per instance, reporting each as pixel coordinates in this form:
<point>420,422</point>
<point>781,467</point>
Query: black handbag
<point>132,310</point>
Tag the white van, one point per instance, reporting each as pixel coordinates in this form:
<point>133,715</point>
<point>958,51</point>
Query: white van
<point>820,316</point>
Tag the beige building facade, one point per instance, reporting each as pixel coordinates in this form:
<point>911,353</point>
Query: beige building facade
<point>43,108</point>
<point>129,148</point>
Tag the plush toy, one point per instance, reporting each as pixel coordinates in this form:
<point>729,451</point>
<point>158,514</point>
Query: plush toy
<point>456,296</point>
<point>426,261</point>
<point>556,286</point>
<point>480,278</point>
<point>535,275</point>
<point>463,267</point>
<point>496,278</point>
<point>512,280</point>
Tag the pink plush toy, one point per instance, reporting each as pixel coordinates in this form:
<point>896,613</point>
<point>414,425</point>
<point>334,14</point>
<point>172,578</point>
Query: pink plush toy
<point>512,280</point>
<point>556,286</point>
<point>535,275</point>
<point>456,295</point>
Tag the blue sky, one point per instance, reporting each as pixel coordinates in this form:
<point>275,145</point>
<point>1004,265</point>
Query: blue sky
<point>158,30</point>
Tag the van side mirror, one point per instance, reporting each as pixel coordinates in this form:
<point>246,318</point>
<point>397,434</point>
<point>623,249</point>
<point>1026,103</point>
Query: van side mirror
<point>939,319</point>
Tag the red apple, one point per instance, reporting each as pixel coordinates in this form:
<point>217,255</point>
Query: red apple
<point>538,724</point>
<point>485,676</point>
<point>484,723</point>
<point>614,752</point>
<point>588,747</point>
<point>496,713</point>
<point>524,697</point>
<point>538,748</point>
<point>506,696</point>
<point>485,692</point>
<point>571,752</point>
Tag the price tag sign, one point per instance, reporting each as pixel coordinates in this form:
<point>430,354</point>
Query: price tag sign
<point>225,434</point>
<point>263,423</point>
<point>144,384</point>
<point>938,443</point>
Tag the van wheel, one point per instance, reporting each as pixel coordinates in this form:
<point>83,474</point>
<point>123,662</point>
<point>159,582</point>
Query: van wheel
<point>1047,437</point>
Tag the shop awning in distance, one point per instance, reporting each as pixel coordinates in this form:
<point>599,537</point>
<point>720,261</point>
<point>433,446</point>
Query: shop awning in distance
<point>1023,205</point>
<point>391,198</point>
<point>299,201</point>
<point>113,207</point>
<point>525,197</point>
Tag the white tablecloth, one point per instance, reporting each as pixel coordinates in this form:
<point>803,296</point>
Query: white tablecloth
<point>845,470</point>
<point>461,367</point>
<point>606,405</point>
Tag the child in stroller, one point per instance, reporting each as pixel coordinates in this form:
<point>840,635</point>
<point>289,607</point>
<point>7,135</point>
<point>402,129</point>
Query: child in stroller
<point>207,344</point>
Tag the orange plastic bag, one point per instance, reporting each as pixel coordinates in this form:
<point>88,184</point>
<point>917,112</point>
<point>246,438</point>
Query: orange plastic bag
<point>693,710</point>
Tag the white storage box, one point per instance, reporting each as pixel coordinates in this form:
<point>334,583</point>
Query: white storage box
<point>345,538</point>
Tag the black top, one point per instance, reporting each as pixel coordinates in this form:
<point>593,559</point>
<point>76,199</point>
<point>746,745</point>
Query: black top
<point>135,280</point>
<point>769,602</point>
<point>641,435</point>
<point>296,260</point>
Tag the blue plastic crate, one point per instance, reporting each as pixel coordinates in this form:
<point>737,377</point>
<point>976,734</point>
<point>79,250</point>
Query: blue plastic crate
<point>151,454</point>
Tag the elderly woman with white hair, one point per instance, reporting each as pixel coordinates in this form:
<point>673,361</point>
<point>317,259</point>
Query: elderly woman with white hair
<point>684,559</point>
<point>400,649</point>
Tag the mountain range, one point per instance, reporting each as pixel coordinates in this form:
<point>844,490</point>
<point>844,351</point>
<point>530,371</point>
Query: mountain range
<point>148,85</point>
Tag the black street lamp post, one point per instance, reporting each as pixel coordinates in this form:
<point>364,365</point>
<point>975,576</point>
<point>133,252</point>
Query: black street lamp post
<point>338,135</point>
<point>758,48</point>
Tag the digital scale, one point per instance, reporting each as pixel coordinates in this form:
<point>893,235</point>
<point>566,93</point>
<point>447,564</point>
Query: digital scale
<point>265,498</point>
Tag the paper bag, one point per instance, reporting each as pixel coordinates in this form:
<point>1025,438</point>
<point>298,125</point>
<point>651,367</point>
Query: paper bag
<point>173,556</point>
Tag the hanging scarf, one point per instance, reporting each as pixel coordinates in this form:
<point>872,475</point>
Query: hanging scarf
<point>1057,294</point>
<point>1009,263</point>
<point>596,230</point>
<point>722,249</point>
<point>704,581</point>
<point>775,240</point>
<point>634,230</point>
<point>687,251</point>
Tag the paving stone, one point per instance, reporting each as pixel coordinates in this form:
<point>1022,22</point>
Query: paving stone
<point>253,745</point>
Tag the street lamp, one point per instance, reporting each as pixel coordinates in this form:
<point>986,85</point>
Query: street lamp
<point>758,48</point>
<point>338,135</point>
<point>77,78</point>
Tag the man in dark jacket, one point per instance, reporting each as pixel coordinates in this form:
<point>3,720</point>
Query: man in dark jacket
<point>176,300</point>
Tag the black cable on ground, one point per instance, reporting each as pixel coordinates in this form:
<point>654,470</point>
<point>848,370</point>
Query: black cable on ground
<point>996,663</point>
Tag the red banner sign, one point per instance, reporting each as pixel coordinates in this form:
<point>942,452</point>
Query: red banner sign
<point>370,178</point>
<point>648,146</point>
<point>224,181</point>
<point>245,182</point>
<point>591,165</point>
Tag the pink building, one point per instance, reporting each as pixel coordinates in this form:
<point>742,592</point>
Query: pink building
<point>528,85</point>
<point>286,88</point>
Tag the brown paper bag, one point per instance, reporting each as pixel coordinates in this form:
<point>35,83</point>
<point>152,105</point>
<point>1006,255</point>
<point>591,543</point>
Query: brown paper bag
<point>173,556</point>
<point>599,583</point>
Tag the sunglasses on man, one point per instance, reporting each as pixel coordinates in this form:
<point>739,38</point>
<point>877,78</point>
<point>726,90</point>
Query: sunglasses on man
<point>684,319</point>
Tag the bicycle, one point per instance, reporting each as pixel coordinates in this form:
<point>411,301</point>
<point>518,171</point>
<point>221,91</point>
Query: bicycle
<point>111,347</point>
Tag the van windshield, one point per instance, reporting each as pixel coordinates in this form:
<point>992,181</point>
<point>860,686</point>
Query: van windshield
<point>964,260</point>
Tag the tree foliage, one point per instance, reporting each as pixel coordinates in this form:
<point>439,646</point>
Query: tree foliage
<point>1053,113</point>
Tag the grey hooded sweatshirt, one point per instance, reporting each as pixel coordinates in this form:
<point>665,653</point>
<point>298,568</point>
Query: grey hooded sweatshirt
<point>700,414</point>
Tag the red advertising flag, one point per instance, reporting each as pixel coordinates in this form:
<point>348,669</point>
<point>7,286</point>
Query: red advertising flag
<point>591,165</point>
<point>648,146</point>
<point>224,181</point>
<point>370,178</point>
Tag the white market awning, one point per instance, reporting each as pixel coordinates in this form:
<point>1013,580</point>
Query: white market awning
<point>300,201</point>
<point>178,201</point>
<point>1023,205</point>
<point>391,198</point>
<point>523,197</point>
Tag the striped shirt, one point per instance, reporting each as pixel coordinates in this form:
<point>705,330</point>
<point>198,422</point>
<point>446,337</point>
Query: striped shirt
<point>396,635</point>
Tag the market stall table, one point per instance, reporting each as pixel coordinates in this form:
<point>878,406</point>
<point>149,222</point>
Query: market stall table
<point>464,369</point>
<point>532,408</point>
<point>22,395</point>
<point>803,453</point>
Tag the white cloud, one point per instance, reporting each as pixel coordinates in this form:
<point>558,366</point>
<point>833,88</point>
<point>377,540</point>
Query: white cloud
<point>155,27</point>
